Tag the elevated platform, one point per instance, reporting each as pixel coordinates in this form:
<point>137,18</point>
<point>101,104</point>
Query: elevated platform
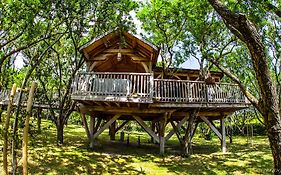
<point>140,93</point>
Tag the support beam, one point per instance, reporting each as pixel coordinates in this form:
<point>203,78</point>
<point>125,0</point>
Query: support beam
<point>187,145</point>
<point>92,127</point>
<point>98,124</point>
<point>153,128</point>
<point>146,128</point>
<point>85,124</point>
<point>123,51</point>
<point>223,140</point>
<point>179,125</point>
<point>176,130</point>
<point>39,117</point>
<point>132,110</point>
<point>212,127</point>
<point>106,125</point>
<point>162,124</point>
<point>194,129</point>
<point>112,130</point>
<point>121,126</point>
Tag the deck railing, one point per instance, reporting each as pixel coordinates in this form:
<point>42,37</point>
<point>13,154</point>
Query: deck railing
<point>167,90</point>
<point>39,99</point>
<point>113,86</point>
<point>141,87</point>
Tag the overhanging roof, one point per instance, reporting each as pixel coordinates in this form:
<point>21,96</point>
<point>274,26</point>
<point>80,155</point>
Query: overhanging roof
<point>111,40</point>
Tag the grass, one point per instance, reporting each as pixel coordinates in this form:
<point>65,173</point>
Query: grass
<point>118,158</point>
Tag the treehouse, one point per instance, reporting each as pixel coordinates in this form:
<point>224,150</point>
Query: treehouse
<point>122,83</point>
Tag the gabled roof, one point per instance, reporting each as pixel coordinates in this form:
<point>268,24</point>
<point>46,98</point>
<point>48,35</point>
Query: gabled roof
<point>110,42</point>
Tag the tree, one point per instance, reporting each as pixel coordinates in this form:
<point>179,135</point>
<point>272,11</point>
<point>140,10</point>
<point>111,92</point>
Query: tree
<point>268,105</point>
<point>214,40</point>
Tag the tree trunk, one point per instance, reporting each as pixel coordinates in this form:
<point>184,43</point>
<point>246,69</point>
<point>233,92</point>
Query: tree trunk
<point>1,111</point>
<point>60,128</point>
<point>274,135</point>
<point>39,113</point>
<point>268,105</point>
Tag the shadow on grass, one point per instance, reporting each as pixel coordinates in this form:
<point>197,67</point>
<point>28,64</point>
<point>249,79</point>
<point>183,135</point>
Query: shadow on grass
<point>114,157</point>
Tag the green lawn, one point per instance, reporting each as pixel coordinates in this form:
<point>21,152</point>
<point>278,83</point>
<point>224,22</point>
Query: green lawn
<point>118,158</point>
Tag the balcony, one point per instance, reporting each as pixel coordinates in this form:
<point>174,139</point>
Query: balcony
<point>143,88</point>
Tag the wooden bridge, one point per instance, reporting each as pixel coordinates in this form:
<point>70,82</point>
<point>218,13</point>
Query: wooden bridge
<point>38,102</point>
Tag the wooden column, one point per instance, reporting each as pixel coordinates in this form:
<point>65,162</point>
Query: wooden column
<point>92,128</point>
<point>162,124</point>
<point>112,131</point>
<point>39,113</point>
<point>179,125</point>
<point>223,138</point>
<point>146,128</point>
<point>85,125</point>
<point>153,128</point>
<point>106,125</point>
<point>6,129</point>
<point>26,128</point>
<point>187,145</point>
<point>1,111</point>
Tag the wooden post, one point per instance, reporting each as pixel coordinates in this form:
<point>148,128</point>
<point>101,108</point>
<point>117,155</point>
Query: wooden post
<point>187,146</point>
<point>162,124</point>
<point>106,125</point>
<point>92,125</point>
<point>26,128</point>
<point>176,130</point>
<point>1,111</point>
<point>153,127</point>
<point>39,113</point>
<point>122,135</point>
<point>85,124</point>
<point>146,128</point>
<point>223,140</point>
<point>179,125</point>
<point>139,142</point>
<point>112,129</point>
<point>6,129</point>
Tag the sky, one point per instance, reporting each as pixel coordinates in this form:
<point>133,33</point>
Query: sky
<point>191,63</point>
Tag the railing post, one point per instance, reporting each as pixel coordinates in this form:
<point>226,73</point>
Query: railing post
<point>151,85</point>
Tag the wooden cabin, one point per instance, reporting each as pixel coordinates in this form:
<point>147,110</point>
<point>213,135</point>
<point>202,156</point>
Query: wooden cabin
<point>123,83</point>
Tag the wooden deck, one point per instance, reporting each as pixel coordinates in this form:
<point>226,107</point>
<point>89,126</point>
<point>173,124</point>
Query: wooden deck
<point>143,88</point>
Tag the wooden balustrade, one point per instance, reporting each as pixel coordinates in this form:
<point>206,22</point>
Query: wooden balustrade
<point>103,85</point>
<point>114,86</point>
<point>141,88</point>
<point>39,99</point>
<point>185,91</point>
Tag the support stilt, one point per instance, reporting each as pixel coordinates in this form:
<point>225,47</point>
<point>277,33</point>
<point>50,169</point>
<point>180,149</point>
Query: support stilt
<point>162,124</point>
<point>106,125</point>
<point>85,124</point>
<point>112,130</point>
<point>153,128</point>
<point>92,128</point>
<point>146,128</point>
<point>39,116</point>
<point>223,140</point>
<point>179,125</point>
<point>187,145</point>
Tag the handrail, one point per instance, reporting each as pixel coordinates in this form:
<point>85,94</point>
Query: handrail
<point>102,84</point>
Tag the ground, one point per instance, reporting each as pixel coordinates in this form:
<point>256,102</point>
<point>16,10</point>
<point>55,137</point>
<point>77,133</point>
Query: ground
<point>118,158</point>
